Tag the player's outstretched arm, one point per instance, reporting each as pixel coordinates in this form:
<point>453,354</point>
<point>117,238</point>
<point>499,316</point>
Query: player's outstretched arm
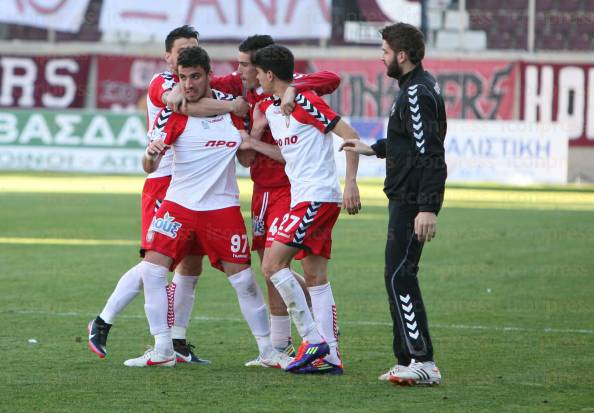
<point>174,100</point>
<point>152,156</point>
<point>323,83</point>
<point>351,197</point>
<point>355,145</point>
<point>212,107</point>
<point>267,149</point>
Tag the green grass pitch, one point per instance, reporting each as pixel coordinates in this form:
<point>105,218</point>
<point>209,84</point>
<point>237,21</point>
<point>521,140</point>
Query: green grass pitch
<point>508,285</point>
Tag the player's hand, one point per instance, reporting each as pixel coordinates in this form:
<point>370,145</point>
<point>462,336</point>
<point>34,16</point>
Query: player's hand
<point>355,145</point>
<point>259,122</point>
<point>351,200</point>
<point>288,101</point>
<point>156,148</point>
<point>175,98</point>
<point>240,107</point>
<point>246,141</point>
<point>425,226</point>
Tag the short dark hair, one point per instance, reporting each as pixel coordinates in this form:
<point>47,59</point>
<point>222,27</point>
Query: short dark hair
<point>255,42</point>
<point>183,32</point>
<point>276,58</point>
<point>194,56</point>
<point>405,37</point>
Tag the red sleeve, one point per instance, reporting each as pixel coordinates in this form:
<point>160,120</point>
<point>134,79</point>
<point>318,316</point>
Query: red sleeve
<point>323,83</point>
<point>265,104</point>
<point>168,126</point>
<point>238,122</point>
<point>160,84</point>
<point>313,110</point>
<point>229,84</point>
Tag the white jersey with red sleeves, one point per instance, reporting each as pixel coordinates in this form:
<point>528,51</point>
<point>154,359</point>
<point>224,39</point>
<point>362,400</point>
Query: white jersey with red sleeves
<point>204,149</point>
<point>306,144</point>
<point>160,83</point>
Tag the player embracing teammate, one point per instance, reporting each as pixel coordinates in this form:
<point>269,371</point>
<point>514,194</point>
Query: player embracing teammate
<point>305,141</point>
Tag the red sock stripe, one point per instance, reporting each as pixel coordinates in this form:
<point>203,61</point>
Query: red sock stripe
<point>170,313</point>
<point>334,322</point>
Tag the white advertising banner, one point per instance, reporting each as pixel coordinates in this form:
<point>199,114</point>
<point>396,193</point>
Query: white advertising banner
<point>504,152</point>
<point>62,15</point>
<point>221,19</point>
<point>517,153</point>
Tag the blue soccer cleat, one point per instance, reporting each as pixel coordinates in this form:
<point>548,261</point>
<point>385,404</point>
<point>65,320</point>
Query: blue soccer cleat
<point>320,366</point>
<point>307,353</point>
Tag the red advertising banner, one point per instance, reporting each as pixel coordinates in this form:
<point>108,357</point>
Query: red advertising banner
<point>471,89</point>
<point>122,81</point>
<point>562,93</point>
<point>43,81</point>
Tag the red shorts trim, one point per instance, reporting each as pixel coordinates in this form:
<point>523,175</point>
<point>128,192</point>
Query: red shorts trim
<point>177,231</point>
<point>268,208</point>
<point>308,226</point>
<point>153,194</point>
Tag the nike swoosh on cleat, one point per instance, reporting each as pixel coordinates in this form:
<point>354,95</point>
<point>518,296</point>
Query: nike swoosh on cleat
<point>155,363</point>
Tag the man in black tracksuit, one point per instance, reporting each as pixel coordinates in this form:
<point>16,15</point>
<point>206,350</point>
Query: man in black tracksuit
<point>415,180</point>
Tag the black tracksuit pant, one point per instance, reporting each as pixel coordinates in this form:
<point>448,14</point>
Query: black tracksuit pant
<point>403,251</point>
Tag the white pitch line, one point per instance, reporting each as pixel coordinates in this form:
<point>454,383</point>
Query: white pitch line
<point>346,322</point>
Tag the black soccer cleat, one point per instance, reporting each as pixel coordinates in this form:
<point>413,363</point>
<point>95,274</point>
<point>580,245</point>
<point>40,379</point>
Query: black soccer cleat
<point>98,331</point>
<point>185,354</point>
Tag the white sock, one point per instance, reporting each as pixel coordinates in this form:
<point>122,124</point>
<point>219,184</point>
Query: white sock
<point>324,309</point>
<point>183,303</point>
<point>280,331</point>
<point>163,343</point>
<point>128,287</point>
<point>294,298</point>
<point>253,308</point>
<point>156,304</point>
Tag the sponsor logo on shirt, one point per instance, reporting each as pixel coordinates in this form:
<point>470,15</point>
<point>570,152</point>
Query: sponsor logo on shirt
<point>289,140</point>
<point>219,143</point>
<point>215,120</point>
<point>166,226</point>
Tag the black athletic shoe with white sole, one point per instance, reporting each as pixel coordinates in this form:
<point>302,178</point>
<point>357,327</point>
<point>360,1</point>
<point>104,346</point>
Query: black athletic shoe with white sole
<point>98,331</point>
<point>184,353</point>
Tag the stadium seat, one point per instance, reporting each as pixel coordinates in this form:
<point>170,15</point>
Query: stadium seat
<point>455,18</point>
<point>470,40</point>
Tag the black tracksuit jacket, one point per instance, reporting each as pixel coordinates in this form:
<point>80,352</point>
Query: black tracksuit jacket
<point>415,160</point>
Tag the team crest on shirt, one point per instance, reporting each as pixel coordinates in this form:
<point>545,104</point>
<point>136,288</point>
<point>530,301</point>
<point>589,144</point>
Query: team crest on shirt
<point>258,226</point>
<point>166,226</point>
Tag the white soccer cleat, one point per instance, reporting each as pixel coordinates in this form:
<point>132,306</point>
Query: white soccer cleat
<point>257,362</point>
<point>151,358</point>
<point>392,372</point>
<point>276,359</point>
<point>417,373</point>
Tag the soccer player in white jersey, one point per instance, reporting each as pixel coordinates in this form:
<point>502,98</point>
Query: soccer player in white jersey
<point>306,145</point>
<point>200,214</point>
<point>188,271</point>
